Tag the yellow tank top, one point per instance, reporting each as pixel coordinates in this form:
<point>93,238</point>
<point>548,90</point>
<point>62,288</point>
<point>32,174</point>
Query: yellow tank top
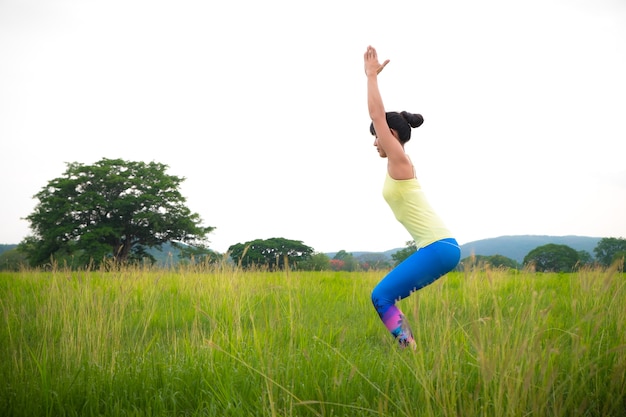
<point>412,210</point>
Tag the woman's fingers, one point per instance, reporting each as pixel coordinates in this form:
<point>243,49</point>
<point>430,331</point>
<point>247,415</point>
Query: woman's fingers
<point>382,66</point>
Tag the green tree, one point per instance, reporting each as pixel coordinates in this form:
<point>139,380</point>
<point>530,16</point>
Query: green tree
<point>369,261</point>
<point>552,258</point>
<point>271,253</point>
<point>609,250</point>
<point>198,254</point>
<point>404,253</point>
<point>112,209</point>
<point>317,262</point>
<point>501,261</point>
<point>584,258</point>
<point>341,255</point>
<point>348,261</point>
<point>621,258</point>
<point>482,261</point>
<point>12,260</point>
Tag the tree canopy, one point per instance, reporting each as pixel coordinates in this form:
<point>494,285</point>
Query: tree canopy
<point>552,258</point>
<point>316,262</point>
<point>610,250</point>
<point>404,253</point>
<point>12,260</point>
<point>271,253</point>
<point>344,261</point>
<point>111,209</point>
<point>493,261</point>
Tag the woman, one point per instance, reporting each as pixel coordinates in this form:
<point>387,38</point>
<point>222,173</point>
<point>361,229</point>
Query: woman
<point>437,251</point>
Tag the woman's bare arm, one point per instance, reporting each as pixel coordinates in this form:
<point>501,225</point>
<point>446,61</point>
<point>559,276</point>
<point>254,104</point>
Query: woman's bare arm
<point>398,164</point>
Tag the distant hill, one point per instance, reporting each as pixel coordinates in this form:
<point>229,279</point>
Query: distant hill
<point>517,247</point>
<point>514,247</point>
<point>4,248</point>
<point>365,254</point>
<point>168,254</point>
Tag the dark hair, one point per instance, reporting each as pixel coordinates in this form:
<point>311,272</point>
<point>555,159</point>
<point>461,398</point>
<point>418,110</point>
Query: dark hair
<point>402,123</point>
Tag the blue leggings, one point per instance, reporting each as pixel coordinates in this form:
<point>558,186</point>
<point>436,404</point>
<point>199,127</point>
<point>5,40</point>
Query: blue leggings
<point>417,271</point>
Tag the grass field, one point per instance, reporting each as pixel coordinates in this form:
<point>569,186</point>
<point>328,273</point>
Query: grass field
<point>230,343</point>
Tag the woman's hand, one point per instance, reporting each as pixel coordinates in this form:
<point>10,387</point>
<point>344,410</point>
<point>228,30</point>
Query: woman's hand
<point>372,66</point>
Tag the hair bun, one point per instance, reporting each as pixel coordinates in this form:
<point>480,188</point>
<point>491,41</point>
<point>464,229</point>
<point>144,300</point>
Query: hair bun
<point>414,119</point>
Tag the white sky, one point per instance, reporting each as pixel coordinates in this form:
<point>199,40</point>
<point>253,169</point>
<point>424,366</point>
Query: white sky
<point>261,106</point>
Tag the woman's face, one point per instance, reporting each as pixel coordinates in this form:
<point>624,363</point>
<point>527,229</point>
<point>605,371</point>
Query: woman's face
<point>379,148</point>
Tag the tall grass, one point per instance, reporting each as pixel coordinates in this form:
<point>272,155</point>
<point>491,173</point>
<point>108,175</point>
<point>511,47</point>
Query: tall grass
<point>223,342</point>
